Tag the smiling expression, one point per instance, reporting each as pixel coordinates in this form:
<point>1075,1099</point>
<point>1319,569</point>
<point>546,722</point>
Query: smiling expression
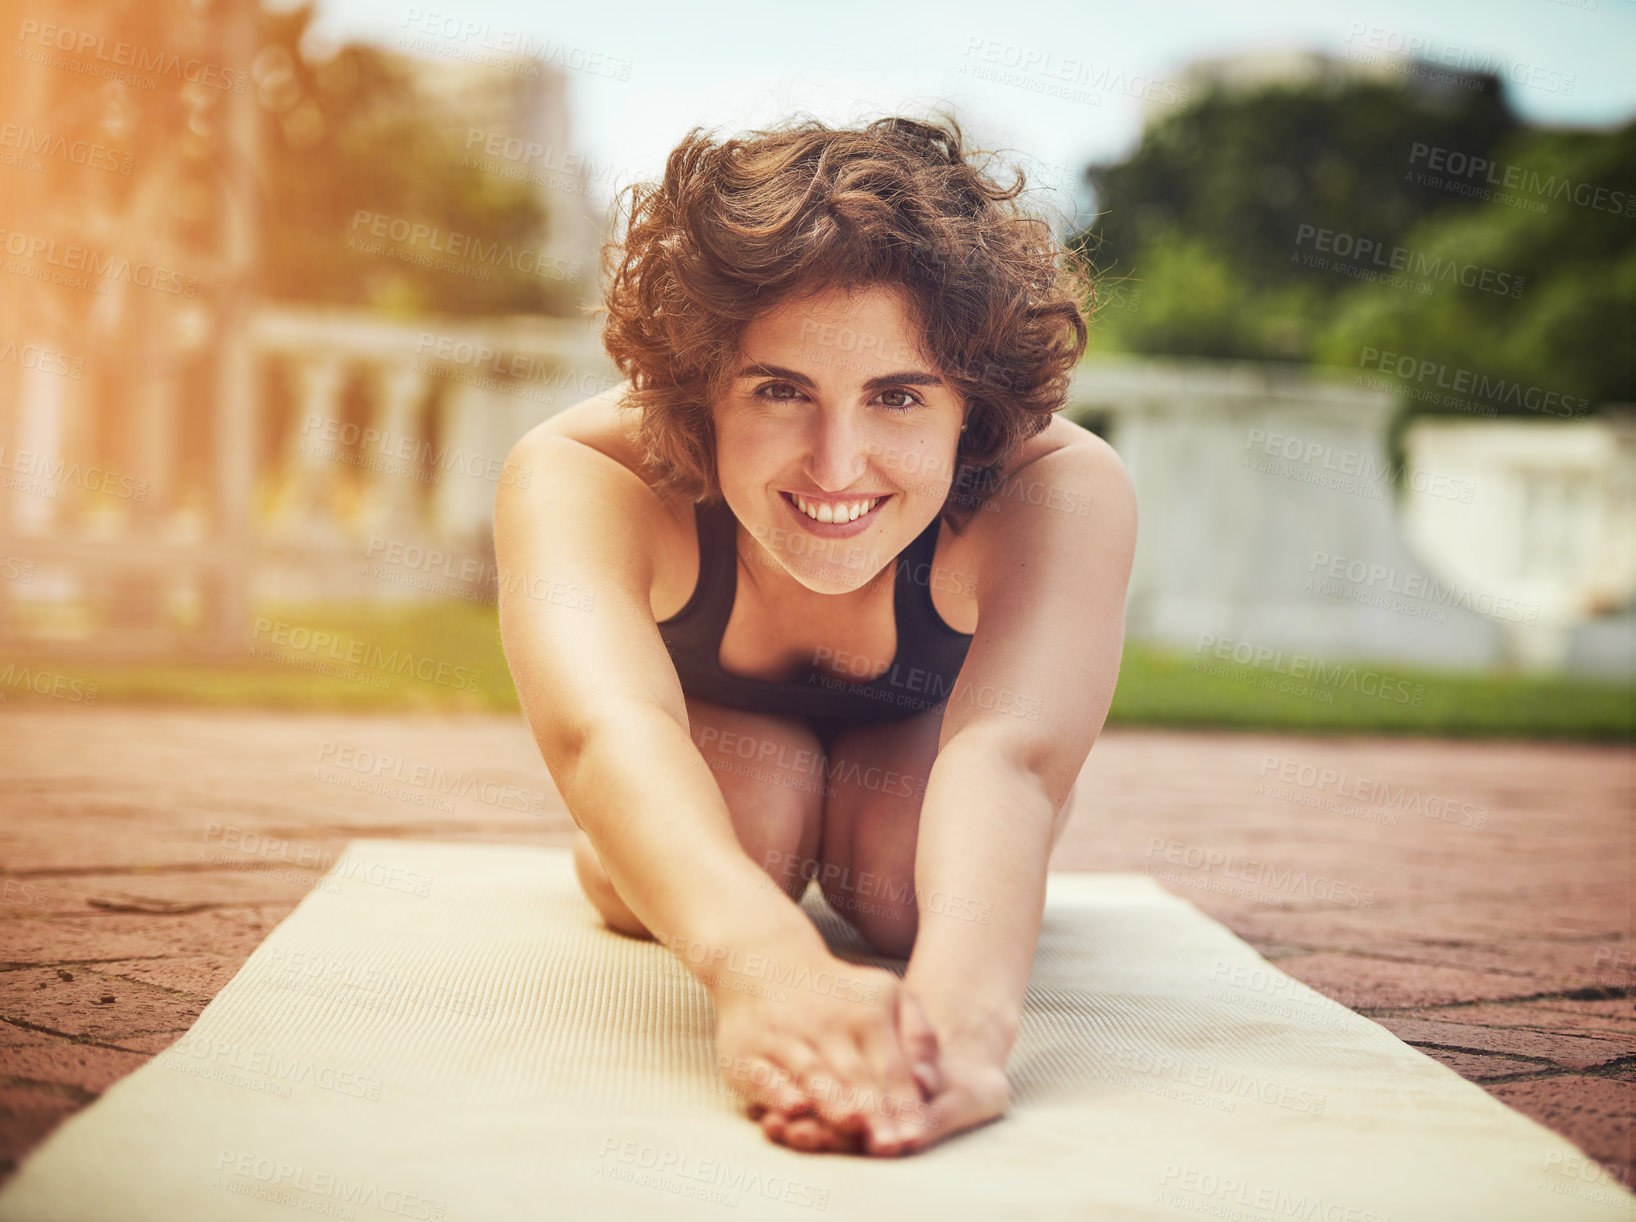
<point>836,438</point>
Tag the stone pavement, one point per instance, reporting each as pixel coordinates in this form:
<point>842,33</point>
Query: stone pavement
<point>1474,898</point>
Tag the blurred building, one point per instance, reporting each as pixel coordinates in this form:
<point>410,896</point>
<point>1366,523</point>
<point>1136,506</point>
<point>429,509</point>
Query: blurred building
<point>515,101</point>
<point>1276,524</point>
<point>151,492</point>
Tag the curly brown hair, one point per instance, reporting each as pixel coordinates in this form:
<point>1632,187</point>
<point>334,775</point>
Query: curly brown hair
<point>738,227</point>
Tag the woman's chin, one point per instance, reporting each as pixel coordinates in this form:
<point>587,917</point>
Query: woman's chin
<point>841,574</point>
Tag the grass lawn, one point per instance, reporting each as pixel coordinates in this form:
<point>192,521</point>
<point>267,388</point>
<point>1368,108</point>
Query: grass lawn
<point>447,657</point>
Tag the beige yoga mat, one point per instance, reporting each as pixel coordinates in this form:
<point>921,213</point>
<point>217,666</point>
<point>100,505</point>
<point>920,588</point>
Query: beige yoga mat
<point>446,1032</point>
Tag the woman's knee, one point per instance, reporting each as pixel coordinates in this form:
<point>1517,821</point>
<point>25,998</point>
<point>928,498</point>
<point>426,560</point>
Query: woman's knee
<point>599,889</point>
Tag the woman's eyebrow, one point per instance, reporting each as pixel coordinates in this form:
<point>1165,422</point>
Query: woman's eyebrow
<point>907,377</point>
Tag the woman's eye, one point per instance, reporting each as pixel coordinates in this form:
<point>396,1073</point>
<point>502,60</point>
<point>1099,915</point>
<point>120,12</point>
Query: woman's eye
<point>908,399</point>
<point>765,392</point>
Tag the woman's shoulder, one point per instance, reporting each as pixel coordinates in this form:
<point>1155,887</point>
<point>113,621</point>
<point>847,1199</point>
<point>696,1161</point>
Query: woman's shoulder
<point>1051,469</point>
<point>598,422</point>
<point>602,424</point>
<point>663,520</point>
<point>1054,468</point>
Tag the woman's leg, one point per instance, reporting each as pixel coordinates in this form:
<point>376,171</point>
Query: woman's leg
<point>770,770</point>
<point>878,775</point>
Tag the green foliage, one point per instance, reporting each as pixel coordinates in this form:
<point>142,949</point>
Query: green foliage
<point>1202,221</point>
<point>349,135</point>
<point>1220,188</point>
<point>1569,330</point>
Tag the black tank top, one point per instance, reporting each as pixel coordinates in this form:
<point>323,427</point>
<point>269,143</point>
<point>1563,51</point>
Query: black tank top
<point>928,659</point>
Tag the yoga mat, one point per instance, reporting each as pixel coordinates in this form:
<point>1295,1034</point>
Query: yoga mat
<point>446,1032</point>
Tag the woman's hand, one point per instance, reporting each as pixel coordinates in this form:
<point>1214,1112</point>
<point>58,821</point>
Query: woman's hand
<point>962,1087</point>
<point>825,1041</point>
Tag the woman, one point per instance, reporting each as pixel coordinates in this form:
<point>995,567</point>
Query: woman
<point>779,666</point>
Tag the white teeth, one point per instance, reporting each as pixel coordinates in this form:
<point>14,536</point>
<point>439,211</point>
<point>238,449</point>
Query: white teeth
<point>823,511</point>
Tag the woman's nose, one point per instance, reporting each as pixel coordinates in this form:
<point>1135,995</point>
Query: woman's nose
<point>839,454</point>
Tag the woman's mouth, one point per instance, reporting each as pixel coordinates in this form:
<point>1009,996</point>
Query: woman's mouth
<point>834,519</point>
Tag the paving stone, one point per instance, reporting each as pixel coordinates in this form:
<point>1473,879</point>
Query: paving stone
<point>1594,1113</point>
<point>247,881</point>
<point>77,1007</point>
<point>201,976</point>
<point>148,1042</point>
<point>1615,1013</point>
<point>235,932</point>
<point>1481,1066</point>
<point>1365,983</point>
<point>1598,1018</point>
<point>1536,899</point>
<point>13,1036</point>
<point>1568,1051</point>
<point>86,1066</point>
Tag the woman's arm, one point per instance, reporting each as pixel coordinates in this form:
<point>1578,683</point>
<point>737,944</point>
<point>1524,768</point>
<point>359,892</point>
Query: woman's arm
<point>572,530</point>
<point>1030,700</point>
<point>573,541</point>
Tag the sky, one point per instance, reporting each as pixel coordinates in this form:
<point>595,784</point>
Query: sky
<point>1057,83</point>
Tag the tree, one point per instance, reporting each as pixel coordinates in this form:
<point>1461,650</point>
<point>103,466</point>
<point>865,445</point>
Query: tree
<point>347,136</point>
<point>1216,194</point>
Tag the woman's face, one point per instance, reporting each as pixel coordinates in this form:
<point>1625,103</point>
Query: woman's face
<point>832,405</point>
